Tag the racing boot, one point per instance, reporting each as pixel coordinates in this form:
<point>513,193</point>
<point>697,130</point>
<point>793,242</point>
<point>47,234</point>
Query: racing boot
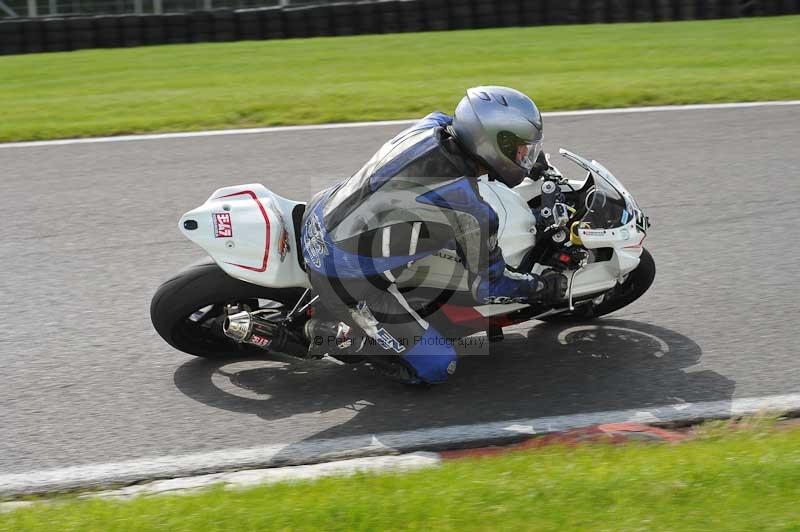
<point>336,339</point>
<point>395,370</point>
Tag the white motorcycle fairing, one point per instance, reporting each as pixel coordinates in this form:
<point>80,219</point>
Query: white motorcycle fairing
<point>249,232</point>
<point>517,234</point>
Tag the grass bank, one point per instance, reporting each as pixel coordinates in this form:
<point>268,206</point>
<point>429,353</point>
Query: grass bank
<point>201,86</point>
<point>723,480</point>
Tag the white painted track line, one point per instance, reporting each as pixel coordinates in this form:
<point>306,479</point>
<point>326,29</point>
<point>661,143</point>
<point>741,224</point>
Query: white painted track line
<point>316,127</point>
<point>389,443</point>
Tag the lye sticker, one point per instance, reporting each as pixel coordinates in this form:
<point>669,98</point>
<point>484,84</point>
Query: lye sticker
<point>222,225</point>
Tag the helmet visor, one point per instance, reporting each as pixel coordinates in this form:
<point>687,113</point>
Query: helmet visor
<point>523,152</point>
<point>527,154</point>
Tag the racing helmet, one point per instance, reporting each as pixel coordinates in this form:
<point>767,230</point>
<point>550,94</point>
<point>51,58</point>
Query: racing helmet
<point>502,128</point>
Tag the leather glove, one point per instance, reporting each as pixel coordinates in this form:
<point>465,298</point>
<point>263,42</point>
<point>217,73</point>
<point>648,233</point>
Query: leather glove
<point>542,168</point>
<point>539,167</point>
<point>551,288</point>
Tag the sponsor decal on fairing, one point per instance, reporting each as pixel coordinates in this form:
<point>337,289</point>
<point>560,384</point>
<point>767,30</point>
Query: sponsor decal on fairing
<point>223,227</point>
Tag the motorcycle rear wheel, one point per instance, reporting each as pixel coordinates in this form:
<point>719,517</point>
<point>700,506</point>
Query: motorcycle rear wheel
<point>637,283</point>
<point>186,309</point>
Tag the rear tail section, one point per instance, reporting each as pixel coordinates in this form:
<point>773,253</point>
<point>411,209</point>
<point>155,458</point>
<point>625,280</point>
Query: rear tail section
<point>250,232</point>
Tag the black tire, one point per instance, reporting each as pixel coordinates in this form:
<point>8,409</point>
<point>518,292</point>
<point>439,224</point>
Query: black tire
<point>197,287</point>
<point>623,295</point>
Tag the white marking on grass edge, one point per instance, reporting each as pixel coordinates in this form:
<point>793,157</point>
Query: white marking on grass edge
<point>314,127</point>
<point>318,451</point>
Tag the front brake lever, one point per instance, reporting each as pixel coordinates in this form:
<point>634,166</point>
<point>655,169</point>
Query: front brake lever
<point>569,289</point>
<point>581,265</point>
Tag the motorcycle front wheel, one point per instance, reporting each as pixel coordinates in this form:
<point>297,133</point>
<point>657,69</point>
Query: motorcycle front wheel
<point>637,283</point>
<point>187,310</point>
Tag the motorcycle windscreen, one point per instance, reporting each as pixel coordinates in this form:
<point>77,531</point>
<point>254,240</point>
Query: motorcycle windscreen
<point>606,208</point>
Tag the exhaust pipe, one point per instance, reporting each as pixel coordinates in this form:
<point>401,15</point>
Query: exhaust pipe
<point>244,328</point>
<point>250,328</point>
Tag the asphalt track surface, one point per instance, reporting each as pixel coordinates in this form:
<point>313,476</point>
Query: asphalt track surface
<point>89,231</point>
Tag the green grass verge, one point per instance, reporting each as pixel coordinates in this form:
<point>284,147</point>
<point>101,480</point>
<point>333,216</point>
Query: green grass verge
<point>741,480</point>
<point>200,86</point>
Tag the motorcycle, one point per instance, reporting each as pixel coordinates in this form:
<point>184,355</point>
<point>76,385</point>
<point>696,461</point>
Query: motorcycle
<point>252,294</point>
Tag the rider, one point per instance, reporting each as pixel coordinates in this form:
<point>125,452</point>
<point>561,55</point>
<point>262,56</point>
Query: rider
<point>418,194</point>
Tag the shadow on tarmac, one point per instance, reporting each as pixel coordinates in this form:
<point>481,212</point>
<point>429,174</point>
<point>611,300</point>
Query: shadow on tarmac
<point>553,370</point>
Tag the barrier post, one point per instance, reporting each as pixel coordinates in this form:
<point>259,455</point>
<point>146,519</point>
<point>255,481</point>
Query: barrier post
<point>33,12</point>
